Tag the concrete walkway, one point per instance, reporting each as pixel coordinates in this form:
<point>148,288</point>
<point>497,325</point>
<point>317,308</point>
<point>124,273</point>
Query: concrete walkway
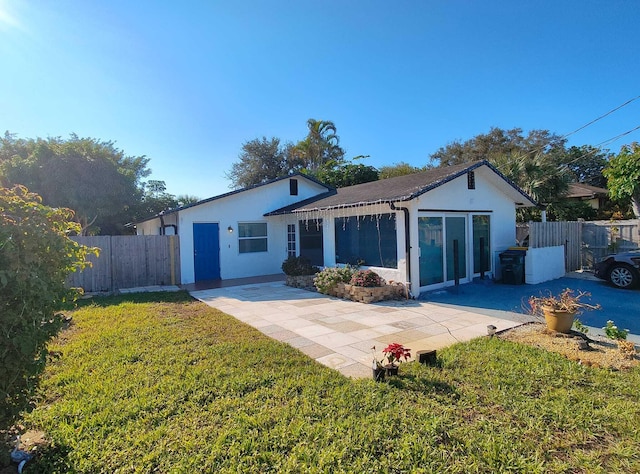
<point>339,333</point>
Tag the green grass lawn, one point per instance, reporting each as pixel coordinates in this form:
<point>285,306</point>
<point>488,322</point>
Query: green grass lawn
<point>161,383</point>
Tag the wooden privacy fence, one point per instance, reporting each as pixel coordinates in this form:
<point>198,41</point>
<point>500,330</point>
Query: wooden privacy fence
<point>129,261</point>
<point>600,238</point>
<point>551,234</point>
<point>585,242</point>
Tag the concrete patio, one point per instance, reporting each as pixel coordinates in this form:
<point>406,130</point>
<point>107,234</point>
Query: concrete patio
<point>339,333</point>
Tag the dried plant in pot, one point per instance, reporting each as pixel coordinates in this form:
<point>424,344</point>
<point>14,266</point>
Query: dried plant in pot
<point>559,311</point>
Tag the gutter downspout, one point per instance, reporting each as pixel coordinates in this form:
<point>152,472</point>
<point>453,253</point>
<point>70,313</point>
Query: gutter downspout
<point>543,212</point>
<point>161,215</point>
<point>407,240</point>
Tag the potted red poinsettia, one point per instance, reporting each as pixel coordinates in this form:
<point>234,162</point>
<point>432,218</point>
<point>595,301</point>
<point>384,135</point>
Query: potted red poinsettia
<point>394,353</point>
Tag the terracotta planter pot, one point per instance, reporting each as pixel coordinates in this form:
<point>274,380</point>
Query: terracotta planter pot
<point>559,321</point>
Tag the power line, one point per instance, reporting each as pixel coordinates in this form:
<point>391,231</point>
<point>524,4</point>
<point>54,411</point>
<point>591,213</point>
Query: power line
<point>600,118</point>
<point>611,140</point>
<point>597,148</point>
<point>599,145</point>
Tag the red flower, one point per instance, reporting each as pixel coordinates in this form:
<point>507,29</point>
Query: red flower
<point>395,352</point>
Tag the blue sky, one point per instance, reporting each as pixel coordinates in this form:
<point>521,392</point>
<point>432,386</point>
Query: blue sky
<point>187,83</point>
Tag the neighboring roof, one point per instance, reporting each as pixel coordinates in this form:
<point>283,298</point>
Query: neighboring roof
<point>397,189</point>
<point>581,190</point>
<point>236,191</point>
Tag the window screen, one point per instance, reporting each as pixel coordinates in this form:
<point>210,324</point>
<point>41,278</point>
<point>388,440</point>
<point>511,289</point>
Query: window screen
<point>367,240</point>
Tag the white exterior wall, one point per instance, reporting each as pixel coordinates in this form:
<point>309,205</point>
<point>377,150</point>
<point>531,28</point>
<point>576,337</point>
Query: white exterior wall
<point>544,264</point>
<point>491,195</point>
<point>152,226</point>
<point>455,197</point>
<point>329,240</point>
<point>246,206</point>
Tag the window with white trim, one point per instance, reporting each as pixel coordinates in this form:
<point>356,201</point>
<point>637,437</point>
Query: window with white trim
<point>252,237</point>
<point>291,240</point>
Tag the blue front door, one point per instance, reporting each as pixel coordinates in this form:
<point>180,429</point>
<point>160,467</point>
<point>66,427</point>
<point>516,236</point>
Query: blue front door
<point>206,251</point>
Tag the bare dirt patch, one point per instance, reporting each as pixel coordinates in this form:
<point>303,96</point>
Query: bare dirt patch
<point>600,351</point>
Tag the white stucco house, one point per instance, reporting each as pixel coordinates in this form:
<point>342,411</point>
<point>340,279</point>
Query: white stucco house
<point>427,229</point>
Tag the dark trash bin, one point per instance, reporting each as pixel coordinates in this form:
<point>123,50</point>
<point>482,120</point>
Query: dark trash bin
<point>512,266</point>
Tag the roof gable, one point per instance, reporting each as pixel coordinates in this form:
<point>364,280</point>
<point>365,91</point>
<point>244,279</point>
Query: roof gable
<point>397,189</point>
<point>238,191</point>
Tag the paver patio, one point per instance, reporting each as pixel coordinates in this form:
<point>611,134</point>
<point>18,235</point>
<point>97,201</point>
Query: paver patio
<point>340,333</point>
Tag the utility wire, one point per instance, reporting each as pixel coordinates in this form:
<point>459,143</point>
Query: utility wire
<point>611,140</point>
<point>597,148</point>
<point>600,118</point>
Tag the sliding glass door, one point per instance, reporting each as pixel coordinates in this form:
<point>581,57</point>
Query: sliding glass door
<point>452,246</point>
<point>431,231</point>
<point>456,250</point>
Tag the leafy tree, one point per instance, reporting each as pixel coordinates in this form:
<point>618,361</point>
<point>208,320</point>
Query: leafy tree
<point>538,162</point>
<point>12,146</point>
<point>586,164</point>
<point>320,147</point>
<point>318,155</point>
<point>92,177</point>
<point>155,200</point>
<point>498,143</point>
<point>36,255</point>
<point>399,169</point>
<point>623,176</point>
<point>570,210</point>
<point>346,174</point>
<point>539,175</point>
<point>186,199</point>
<point>261,160</point>
<point>156,187</point>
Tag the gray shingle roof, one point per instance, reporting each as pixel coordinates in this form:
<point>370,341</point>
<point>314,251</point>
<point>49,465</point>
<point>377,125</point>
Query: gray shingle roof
<point>235,191</point>
<point>581,190</point>
<point>400,188</point>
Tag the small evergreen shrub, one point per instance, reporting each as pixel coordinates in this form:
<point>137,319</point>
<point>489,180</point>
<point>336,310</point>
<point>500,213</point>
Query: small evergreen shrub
<point>367,278</point>
<point>328,278</point>
<point>36,255</point>
<point>298,266</point>
<point>612,331</point>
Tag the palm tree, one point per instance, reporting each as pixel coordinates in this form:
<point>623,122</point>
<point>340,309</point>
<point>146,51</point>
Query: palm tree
<point>320,147</point>
<point>540,175</point>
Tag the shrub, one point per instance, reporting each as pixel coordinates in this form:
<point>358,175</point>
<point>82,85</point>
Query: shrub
<point>35,258</point>
<point>327,279</point>
<point>297,266</point>
<point>612,331</point>
<point>367,278</point>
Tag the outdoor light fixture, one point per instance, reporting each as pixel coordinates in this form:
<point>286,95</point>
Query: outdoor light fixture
<point>230,229</point>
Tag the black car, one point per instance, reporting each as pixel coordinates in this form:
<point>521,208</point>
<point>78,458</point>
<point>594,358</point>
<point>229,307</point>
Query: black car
<point>621,269</point>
